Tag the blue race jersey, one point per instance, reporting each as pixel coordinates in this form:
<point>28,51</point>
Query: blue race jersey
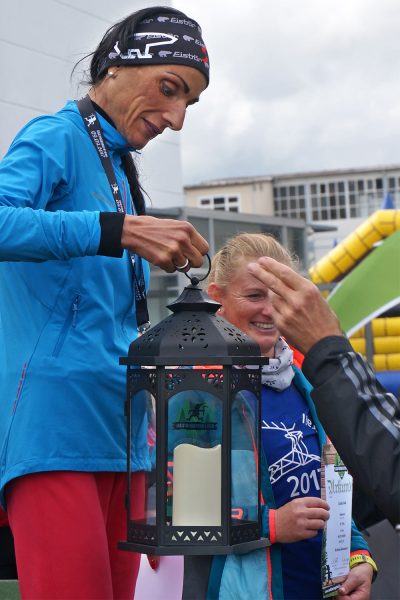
<point>292,449</point>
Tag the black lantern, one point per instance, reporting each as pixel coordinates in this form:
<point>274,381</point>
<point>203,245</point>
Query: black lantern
<point>194,384</point>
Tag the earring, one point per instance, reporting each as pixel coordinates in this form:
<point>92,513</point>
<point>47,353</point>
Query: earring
<point>110,74</point>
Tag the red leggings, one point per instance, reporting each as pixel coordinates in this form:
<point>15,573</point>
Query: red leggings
<point>66,528</point>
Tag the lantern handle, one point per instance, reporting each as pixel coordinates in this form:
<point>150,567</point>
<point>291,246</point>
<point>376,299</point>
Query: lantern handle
<point>196,280</point>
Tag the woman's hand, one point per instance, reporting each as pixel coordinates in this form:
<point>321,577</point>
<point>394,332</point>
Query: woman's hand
<point>358,583</point>
<point>166,243</point>
<point>300,312</point>
<point>300,519</point>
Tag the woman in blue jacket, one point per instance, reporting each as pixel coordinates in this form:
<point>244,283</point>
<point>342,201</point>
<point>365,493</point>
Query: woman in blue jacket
<point>293,513</point>
<point>74,249</point>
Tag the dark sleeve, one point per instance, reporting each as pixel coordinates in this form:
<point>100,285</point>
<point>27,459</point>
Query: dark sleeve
<point>360,417</point>
<point>111,224</point>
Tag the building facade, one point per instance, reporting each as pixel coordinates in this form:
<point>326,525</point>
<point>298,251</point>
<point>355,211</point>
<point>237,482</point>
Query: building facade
<point>339,199</point>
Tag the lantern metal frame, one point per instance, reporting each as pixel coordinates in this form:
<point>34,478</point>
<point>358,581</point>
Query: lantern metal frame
<point>193,319</point>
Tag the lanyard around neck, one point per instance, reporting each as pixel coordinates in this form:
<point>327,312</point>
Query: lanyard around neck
<point>93,127</point>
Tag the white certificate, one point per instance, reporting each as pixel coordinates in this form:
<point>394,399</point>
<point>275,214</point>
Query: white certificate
<point>338,489</point>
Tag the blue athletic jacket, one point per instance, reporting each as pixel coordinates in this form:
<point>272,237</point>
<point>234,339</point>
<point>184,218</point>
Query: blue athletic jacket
<point>258,574</point>
<point>66,315</point>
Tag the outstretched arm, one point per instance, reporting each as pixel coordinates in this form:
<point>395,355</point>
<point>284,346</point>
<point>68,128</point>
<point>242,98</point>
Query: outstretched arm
<point>361,418</point>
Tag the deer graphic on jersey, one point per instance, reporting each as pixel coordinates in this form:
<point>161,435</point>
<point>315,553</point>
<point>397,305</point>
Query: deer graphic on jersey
<point>298,455</point>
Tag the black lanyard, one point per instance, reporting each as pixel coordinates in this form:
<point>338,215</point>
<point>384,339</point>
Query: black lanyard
<point>95,132</point>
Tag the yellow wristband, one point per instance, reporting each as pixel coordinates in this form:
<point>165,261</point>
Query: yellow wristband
<point>357,559</point>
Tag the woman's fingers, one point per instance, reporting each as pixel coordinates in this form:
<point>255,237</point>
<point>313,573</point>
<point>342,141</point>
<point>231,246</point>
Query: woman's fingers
<point>165,243</point>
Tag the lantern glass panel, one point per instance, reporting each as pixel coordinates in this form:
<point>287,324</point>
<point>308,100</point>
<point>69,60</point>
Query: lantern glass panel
<point>194,457</point>
<point>244,457</point>
<point>143,419</point>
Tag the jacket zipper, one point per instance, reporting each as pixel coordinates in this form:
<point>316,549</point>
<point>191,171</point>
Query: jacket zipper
<point>69,322</point>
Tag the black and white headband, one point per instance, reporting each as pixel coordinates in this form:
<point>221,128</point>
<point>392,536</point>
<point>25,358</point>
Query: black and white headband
<point>164,39</point>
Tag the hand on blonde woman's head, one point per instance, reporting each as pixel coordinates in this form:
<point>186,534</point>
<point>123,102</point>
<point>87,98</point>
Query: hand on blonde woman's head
<point>301,313</point>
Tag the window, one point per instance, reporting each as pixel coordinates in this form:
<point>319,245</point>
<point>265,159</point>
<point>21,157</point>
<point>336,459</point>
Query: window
<point>228,203</point>
<point>365,196</point>
<point>326,199</point>
<point>289,200</point>
<point>295,240</point>
<point>354,195</point>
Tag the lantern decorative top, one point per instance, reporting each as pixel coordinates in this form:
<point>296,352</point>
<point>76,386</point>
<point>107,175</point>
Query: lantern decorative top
<point>193,330</point>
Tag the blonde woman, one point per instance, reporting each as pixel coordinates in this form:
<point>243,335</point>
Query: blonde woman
<point>294,514</point>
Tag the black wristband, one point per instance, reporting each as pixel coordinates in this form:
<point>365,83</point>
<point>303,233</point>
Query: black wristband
<point>111,224</point>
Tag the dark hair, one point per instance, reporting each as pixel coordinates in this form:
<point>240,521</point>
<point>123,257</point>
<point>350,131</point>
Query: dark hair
<point>121,32</point>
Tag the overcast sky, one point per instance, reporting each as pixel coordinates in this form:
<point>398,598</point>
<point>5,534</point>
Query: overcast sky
<point>296,85</point>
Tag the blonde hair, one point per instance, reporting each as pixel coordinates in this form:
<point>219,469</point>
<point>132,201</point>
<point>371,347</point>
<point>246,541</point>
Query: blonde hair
<point>246,246</point>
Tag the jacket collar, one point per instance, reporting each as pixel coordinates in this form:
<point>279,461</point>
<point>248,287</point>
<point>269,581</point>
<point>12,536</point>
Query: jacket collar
<point>114,140</point>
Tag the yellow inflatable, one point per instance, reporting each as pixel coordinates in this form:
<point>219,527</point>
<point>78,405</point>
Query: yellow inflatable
<point>355,246</point>
<point>381,327</point>
<point>341,259</point>
<point>386,343</point>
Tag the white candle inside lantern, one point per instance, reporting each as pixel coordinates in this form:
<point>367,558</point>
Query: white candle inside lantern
<point>197,486</point>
